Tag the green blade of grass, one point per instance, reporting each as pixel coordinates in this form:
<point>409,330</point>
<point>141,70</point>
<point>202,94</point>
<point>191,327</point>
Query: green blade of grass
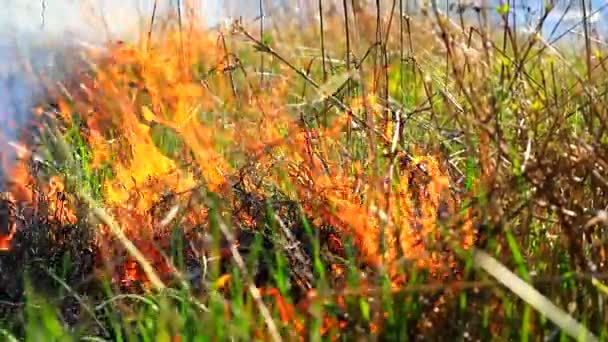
<point>524,274</point>
<point>530,295</point>
<point>8,336</point>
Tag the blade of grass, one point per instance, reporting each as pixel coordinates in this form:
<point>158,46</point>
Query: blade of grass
<point>133,296</point>
<point>109,221</point>
<point>254,291</point>
<point>80,300</point>
<point>530,295</point>
<point>8,336</point>
<point>523,273</point>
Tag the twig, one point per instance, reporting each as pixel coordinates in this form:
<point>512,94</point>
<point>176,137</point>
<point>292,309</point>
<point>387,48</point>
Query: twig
<point>349,126</point>
<point>104,217</point>
<point>261,5</point>
<point>587,40</point>
<point>302,262</point>
<point>42,13</point>
<point>322,29</point>
<point>181,38</point>
<point>152,21</point>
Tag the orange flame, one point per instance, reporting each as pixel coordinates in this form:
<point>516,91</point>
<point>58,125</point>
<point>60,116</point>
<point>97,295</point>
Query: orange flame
<point>59,208</point>
<point>8,230</point>
<point>136,89</point>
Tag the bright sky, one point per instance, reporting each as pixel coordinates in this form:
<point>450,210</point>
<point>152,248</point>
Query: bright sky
<point>83,18</point>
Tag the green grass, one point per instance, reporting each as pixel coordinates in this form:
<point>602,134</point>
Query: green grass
<point>503,129</point>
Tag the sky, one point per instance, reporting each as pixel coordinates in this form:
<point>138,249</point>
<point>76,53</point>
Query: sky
<point>83,18</point>
<point>86,19</point>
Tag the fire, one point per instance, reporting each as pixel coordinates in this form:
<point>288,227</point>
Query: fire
<point>21,183</point>
<point>406,218</point>
<point>7,225</point>
<point>138,88</point>
<point>5,241</point>
<point>59,208</point>
<point>58,205</point>
<point>147,163</point>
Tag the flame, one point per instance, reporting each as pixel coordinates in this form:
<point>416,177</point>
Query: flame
<point>175,102</point>
<point>5,241</point>
<point>136,88</point>
<point>20,186</point>
<point>8,228</point>
<point>146,163</point>
<point>21,191</point>
<point>59,208</point>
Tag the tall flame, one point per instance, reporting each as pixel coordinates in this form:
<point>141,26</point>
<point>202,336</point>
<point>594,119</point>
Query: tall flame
<point>186,89</point>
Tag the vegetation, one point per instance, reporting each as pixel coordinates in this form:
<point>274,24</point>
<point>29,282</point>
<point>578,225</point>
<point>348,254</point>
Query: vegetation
<point>377,176</point>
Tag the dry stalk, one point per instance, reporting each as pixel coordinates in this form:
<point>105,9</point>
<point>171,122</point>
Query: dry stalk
<point>114,227</point>
<point>254,291</point>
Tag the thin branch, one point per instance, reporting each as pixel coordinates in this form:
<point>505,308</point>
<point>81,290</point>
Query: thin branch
<point>181,38</point>
<point>322,33</point>
<point>261,3</point>
<point>152,18</point>
<point>42,14</point>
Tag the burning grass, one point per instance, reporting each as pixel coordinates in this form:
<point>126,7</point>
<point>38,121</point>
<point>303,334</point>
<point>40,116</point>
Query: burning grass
<point>170,172</point>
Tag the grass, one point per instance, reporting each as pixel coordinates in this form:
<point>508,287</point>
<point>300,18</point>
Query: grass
<point>416,180</point>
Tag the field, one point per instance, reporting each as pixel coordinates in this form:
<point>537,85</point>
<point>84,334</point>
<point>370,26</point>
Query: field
<point>367,176</point>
